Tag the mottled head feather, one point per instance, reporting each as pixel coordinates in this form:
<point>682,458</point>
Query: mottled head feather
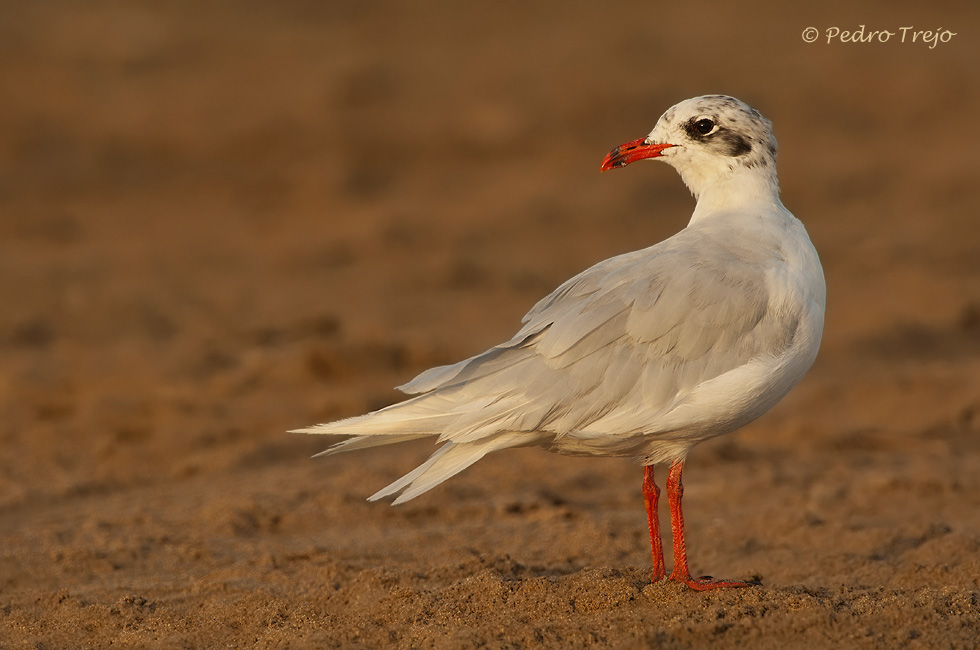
<point>714,134</point>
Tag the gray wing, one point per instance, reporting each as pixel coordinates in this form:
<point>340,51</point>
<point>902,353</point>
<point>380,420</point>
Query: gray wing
<point>618,346</point>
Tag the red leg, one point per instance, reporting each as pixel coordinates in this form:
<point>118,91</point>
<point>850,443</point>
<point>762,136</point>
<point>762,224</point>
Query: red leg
<point>675,490</point>
<point>651,496</point>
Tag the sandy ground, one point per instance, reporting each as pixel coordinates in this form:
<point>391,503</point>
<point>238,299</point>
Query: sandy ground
<point>220,221</point>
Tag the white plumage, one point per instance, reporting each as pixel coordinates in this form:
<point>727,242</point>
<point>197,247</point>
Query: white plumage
<point>648,353</point>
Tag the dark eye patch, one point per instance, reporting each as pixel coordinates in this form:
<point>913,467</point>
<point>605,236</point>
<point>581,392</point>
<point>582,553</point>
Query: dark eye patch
<point>721,139</point>
<point>737,145</point>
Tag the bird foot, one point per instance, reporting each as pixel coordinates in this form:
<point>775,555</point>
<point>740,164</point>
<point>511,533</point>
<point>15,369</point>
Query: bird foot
<point>705,583</point>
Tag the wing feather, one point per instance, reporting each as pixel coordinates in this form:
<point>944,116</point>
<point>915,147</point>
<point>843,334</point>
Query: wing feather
<point>619,350</point>
<point>618,345</point>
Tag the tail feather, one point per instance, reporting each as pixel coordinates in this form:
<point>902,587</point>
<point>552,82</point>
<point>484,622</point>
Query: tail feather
<point>485,424</point>
<point>365,442</point>
<point>404,481</point>
<point>426,415</point>
<point>447,461</point>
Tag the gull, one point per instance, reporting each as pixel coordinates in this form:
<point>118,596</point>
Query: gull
<point>646,354</point>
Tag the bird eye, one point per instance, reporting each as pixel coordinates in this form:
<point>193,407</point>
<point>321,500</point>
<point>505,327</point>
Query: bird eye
<point>704,126</point>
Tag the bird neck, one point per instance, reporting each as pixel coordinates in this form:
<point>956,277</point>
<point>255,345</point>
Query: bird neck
<point>742,188</point>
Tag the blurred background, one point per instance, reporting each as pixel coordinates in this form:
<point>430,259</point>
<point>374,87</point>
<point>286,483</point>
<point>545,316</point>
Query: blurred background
<point>223,220</point>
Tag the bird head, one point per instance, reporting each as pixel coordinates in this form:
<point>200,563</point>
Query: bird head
<point>705,139</point>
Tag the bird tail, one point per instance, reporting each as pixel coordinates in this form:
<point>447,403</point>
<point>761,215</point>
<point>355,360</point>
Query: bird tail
<point>418,417</point>
<point>447,461</point>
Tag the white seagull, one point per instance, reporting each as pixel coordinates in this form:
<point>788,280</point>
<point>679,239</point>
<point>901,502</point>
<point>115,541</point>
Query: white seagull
<point>645,354</point>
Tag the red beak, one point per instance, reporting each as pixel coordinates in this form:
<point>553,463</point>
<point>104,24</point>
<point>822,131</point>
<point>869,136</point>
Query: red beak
<point>624,154</point>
